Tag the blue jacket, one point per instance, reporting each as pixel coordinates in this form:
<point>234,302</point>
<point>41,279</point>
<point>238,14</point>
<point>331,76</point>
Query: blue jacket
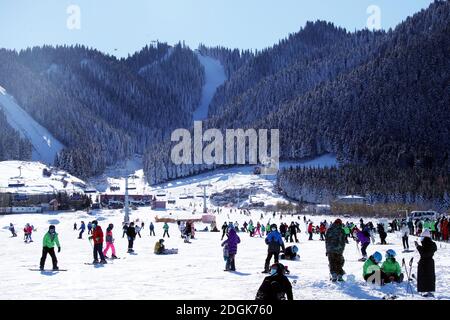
<point>274,241</point>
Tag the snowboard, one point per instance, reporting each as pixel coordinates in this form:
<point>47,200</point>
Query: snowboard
<point>48,270</point>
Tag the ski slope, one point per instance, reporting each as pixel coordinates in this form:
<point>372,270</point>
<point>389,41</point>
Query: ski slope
<point>45,146</point>
<point>214,77</point>
<point>197,271</point>
<point>30,174</point>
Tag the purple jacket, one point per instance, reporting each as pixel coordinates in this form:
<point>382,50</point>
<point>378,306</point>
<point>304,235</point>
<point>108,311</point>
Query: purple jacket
<point>363,238</point>
<point>233,240</point>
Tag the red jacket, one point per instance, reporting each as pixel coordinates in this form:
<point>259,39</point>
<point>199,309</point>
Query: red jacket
<point>97,235</point>
<point>310,227</point>
<point>322,229</point>
<point>28,230</point>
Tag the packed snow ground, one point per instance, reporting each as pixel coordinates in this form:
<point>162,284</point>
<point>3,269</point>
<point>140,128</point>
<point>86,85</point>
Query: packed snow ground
<point>45,145</point>
<point>197,271</point>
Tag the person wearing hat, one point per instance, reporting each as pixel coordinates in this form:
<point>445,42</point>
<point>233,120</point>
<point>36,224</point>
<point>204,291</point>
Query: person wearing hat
<point>335,240</point>
<point>372,270</point>
<point>276,286</point>
<point>426,276</point>
<point>160,248</point>
<point>274,242</point>
<point>391,268</point>
<point>131,235</point>
<point>110,242</point>
<point>49,242</point>
<point>97,236</point>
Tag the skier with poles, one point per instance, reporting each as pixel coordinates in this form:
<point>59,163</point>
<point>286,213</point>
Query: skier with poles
<point>49,242</point>
<point>426,277</point>
<point>97,236</point>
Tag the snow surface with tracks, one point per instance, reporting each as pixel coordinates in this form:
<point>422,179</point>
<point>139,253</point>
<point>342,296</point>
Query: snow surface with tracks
<point>197,271</point>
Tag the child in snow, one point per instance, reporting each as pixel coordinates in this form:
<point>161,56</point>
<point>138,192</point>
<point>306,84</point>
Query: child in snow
<point>166,230</point>
<point>50,241</point>
<point>110,242</point>
<point>391,268</point>
<point>225,253</point>
<point>28,230</point>
<point>13,231</point>
<point>371,268</point>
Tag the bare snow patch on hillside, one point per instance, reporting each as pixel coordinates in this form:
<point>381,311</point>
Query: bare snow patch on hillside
<point>45,145</point>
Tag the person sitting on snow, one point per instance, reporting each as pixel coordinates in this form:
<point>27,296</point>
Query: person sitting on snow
<point>160,248</point>
<point>391,268</point>
<point>276,286</point>
<point>371,268</point>
<point>290,253</point>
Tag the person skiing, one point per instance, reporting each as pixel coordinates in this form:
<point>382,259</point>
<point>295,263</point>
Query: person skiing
<point>82,228</point>
<point>75,228</point>
<point>263,230</point>
<point>224,229</point>
<point>97,236</point>
<point>405,233</point>
<point>258,230</point>
<point>13,230</point>
<point>426,276</point>
<point>110,242</point>
<point>335,245</point>
<point>232,242</point>
<point>89,226</point>
<point>131,235</point>
<point>49,242</point>
<point>363,237</point>
<point>152,229</point>
<point>392,272</point>
<point>310,230</point>
<point>371,268</point>
<point>166,230</point>
<point>290,253</point>
<point>276,286</point>
<point>274,243</point>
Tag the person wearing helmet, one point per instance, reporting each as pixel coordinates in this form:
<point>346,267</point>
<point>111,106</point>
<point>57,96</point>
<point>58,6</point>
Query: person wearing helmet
<point>276,286</point>
<point>426,276</point>
<point>49,242</point>
<point>110,242</point>
<point>335,245</point>
<point>391,268</point>
<point>274,242</point>
<point>372,270</point>
<point>290,253</point>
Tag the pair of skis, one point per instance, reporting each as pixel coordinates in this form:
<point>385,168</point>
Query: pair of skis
<point>409,288</point>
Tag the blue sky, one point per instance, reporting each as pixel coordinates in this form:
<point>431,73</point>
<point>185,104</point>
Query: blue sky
<point>128,25</point>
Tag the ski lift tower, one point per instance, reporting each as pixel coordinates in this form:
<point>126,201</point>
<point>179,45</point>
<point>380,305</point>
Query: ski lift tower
<point>204,186</point>
<point>126,208</point>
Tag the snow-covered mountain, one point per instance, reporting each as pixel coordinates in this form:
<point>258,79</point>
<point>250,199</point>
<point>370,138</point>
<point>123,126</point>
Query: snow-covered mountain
<point>26,177</point>
<point>45,145</point>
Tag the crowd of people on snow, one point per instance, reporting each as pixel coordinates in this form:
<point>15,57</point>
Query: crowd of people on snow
<point>276,285</point>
